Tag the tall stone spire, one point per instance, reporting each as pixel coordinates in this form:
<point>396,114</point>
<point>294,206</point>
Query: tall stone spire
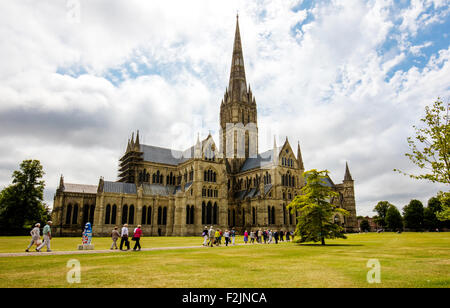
<point>347,176</point>
<point>299,157</point>
<point>137,146</point>
<point>238,84</point>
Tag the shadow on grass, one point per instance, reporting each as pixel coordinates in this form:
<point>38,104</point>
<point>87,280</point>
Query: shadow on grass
<point>330,245</point>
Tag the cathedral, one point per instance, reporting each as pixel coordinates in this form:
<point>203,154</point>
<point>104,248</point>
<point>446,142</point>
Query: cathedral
<point>178,193</point>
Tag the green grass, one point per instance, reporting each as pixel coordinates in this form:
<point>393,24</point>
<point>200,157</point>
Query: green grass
<point>407,260</point>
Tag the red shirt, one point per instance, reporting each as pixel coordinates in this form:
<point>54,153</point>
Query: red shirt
<point>138,232</point>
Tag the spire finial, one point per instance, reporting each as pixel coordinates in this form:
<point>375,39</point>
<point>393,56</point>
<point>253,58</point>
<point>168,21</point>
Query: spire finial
<point>347,176</point>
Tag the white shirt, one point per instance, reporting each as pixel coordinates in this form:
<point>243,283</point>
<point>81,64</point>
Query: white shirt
<point>124,231</point>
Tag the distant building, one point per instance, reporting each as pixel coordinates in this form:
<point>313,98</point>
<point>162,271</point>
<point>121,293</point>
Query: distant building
<point>373,225</point>
<point>173,192</point>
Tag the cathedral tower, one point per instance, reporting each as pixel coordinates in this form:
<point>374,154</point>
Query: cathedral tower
<point>238,115</point>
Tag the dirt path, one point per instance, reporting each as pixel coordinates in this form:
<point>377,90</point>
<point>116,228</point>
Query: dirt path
<point>79,252</point>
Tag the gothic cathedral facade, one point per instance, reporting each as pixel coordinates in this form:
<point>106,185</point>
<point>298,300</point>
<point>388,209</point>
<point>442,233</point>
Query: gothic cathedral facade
<point>178,193</point>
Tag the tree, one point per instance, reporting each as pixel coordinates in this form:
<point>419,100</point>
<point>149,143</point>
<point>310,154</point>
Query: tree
<point>413,215</point>
<point>430,220</point>
<point>316,213</point>
<point>430,148</point>
<point>364,225</point>
<point>444,214</point>
<point>21,203</point>
<point>394,218</point>
<point>381,208</point>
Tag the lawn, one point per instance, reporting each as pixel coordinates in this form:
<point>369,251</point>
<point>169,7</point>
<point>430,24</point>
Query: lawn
<point>407,260</point>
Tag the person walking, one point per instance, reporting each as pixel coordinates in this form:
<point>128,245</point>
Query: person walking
<point>124,237</point>
<point>205,236</point>
<point>233,236</point>
<point>245,237</point>
<point>211,236</point>
<point>252,237</point>
<point>137,237</point>
<point>265,236</point>
<point>114,236</point>
<point>260,236</point>
<point>35,236</point>
<point>220,237</point>
<point>275,236</point>
<point>47,232</point>
<point>270,236</point>
<point>288,236</point>
<point>217,237</point>
<point>227,237</point>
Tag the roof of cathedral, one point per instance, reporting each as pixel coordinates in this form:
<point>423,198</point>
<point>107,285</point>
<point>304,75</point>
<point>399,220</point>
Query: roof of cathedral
<point>80,188</point>
<point>119,188</point>
<point>166,156</point>
<point>262,160</point>
<point>327,181</point>
<point>158,189</point>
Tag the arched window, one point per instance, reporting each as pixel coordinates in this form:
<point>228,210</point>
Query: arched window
<point>164,222</point>
<point>131,215</point>
<point>113,214</point>
<point>284,214</point>
<point>269,220</point>
<point>243,217</point>
<point>254,215</point>
<point>124,214</point>
<point>234,217</point>
<point>273,215</point>
<point>144,215</point>
<point>159,215</point>
<point>91,214</point>
<point>68,214</point>
<point>203,213</point>
<point>188,213</point>
<point>209,213</point>
<point>75,214</point>
<point>85,214</point>
<point>107,214</point>
<point>149,216</point>
<point>215,214</point>
<point>191,220</point>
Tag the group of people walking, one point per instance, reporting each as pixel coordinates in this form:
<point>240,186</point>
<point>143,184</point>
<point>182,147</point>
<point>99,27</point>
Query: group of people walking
<point>36,237</point>
<point>123,235</point>
<point>213,237</point>
<point>115,235</point>
<point>268,236</point>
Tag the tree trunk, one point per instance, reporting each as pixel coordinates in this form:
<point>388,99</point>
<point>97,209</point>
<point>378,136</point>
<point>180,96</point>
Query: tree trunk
<point>323,241</point>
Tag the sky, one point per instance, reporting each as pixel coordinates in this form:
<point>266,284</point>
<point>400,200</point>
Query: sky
<point>346,79</point>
